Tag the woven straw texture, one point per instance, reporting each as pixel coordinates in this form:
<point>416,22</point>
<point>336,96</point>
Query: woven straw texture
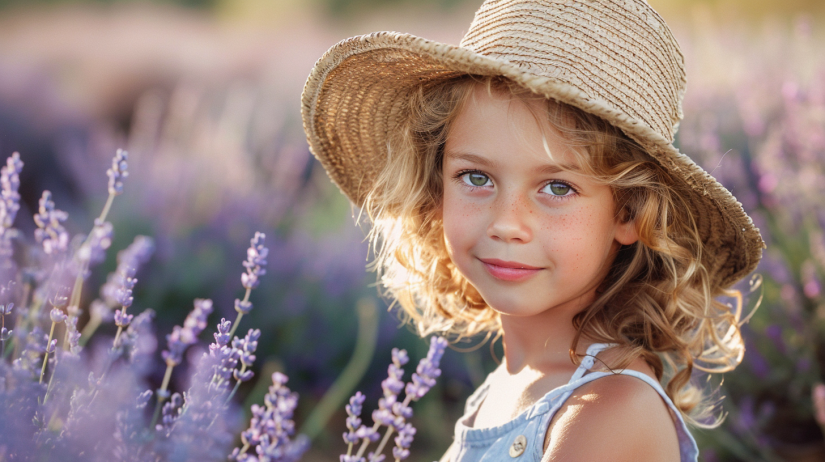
<point>616,59</point>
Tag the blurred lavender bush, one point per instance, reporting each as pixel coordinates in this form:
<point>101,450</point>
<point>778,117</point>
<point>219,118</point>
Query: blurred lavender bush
<point>762,133</point>
<point>61,403</point>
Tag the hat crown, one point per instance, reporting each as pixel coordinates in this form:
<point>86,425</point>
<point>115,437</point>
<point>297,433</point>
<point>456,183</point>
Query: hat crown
<point>619,52</point>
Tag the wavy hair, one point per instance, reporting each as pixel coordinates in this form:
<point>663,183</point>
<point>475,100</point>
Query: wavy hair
<point>657,301</point>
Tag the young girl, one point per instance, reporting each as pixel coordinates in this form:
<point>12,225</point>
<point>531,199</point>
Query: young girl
<point>525,184</point>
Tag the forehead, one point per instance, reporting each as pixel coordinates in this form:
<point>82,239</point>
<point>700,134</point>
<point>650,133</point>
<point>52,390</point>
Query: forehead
<point>493,121</point>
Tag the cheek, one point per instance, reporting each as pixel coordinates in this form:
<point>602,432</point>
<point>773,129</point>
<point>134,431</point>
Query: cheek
<point>461,223</point>
<point>580,239</point>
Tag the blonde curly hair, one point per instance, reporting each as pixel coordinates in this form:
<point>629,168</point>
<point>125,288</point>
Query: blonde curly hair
<point>657,301</point>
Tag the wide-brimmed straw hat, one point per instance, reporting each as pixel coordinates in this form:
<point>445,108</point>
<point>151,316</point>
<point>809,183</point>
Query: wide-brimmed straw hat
<point>616,59</point>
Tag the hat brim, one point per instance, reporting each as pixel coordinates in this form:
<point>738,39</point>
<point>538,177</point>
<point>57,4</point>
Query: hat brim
<point>355,96</point>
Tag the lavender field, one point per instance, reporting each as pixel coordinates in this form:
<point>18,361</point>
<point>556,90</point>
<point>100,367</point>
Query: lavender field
<point>205,98</point>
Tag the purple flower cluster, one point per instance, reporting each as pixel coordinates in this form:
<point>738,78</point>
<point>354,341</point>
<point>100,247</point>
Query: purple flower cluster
<point>50,231</point>
<point>246,353</point>
<point>255,262</point>
<point>9,204</point>
<point>129,260</point>
<point>271,428</point>
<point>118,172</point>
<point>424,377</point>
<point>392,412</point>
<point>94,252</point>
<point>182,337</point>
<point>9,185</point>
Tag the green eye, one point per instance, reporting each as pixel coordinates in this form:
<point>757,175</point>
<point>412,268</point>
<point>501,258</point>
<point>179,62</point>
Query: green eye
<point>559,189</point>
<point>477,179</point>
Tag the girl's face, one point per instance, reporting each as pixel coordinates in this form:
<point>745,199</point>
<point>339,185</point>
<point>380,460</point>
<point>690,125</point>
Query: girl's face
<point>528,235</point>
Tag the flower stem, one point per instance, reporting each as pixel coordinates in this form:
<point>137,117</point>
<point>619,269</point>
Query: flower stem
<point>366,442</point>
<point>384,441</point>
<point>237,384</point>
<point>78,282</point>
<point>106,208</point>
<point>240,315</point>
<point>51,381</point>
<point>161,392</point>
<point>46,356</point>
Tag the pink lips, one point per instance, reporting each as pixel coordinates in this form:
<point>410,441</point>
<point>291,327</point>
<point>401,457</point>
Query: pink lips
<point>509,270</point>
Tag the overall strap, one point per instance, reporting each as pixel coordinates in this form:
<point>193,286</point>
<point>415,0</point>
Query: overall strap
<point>589,359</point>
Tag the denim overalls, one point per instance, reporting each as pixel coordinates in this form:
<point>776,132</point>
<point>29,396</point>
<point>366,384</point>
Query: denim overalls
<point>522,439</point>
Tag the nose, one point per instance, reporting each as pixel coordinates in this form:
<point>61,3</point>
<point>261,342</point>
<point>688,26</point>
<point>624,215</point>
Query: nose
<point>511,219</point>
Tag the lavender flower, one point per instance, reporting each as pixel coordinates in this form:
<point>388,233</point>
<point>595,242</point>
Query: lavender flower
<point>246,348</point>
<point>118,172</point>
<point>255,261</point>
<point>57,315</point>
<point>122,319</point>
<point>126,282</point>
<point>72,335</point>
<point>222,335</point>
<point>50,232</point>
<point>100,239</point>
<point>427,371</point>
<point>181,337</point>
<point>272,427</point>
<point>171,412</point>
<point>392,385</point>
<point>10,183</point>
<point>403,441</point>
<point>129,261</point>
<point>9,205</point>
<point>353,418</point>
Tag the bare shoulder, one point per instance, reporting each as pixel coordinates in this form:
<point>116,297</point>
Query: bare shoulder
<point>618,418</point>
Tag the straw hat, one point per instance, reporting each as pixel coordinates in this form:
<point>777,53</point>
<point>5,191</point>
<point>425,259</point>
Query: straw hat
<point>616,59</point>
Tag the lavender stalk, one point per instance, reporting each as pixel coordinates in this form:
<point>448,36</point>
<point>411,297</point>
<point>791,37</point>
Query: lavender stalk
<point>254,264</point>
<point>93,249</point>
<point>393,413</point>
<point>178,341</point>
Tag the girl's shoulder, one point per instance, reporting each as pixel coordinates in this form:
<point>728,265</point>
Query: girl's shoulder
<point>615,417</point>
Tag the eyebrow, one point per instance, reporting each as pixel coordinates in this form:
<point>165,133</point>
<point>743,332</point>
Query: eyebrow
<point>547,169</point>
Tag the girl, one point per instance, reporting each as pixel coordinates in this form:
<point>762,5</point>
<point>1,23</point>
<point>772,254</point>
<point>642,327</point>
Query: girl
<point>525,184</point>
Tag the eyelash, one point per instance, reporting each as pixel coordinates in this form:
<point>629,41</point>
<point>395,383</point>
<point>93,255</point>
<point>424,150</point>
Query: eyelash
<point>458,178</point>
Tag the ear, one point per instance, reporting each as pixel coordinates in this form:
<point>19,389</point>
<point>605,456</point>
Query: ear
<point>626,233</point>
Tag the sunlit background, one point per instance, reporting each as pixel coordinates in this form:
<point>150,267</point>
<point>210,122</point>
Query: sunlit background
<point>204,94</point>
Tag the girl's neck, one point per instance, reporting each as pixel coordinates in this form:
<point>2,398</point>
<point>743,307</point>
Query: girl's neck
<point>540,342</point>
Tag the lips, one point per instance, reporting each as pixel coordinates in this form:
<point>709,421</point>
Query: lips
<point>509,270</point>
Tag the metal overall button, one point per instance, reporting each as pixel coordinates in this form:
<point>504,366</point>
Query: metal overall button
<point>518,447</point>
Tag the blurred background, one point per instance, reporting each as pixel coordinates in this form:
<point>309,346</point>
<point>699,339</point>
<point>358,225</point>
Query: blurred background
<point>205,96</point>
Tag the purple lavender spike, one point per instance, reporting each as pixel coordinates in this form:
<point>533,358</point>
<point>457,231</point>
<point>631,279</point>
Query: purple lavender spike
<point>403,441</point>
<point>222,336</point>
<point>272,427</point>
<point>255,261</point>
<point>118,172</point>
<point>427,370</point>
<point>392,385</point>
<point>57,315</point>
<point>10,183</point>
<point>122,319</point>
<point>100,239</point>
<point>50,232</point>
<point>181,337</point>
